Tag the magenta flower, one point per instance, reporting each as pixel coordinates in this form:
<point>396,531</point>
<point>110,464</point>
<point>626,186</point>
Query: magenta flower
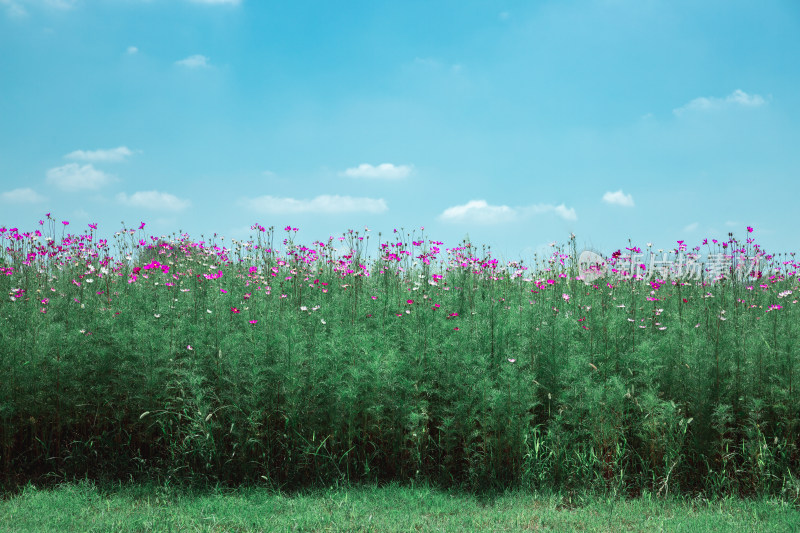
<point>749,229</point>
<point>234,310</point>
<point>409,302</point>
<point>254,321</point>
<point>65,222</point>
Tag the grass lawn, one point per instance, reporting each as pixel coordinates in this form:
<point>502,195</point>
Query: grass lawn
<point>85,507</point>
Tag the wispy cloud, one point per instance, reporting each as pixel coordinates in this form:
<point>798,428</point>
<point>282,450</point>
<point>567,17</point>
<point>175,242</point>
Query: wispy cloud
<point>431,64</point>
<point>736,98</point>
<point>567,213</point>
<point>60,4</point>
<point>691,227</point>
<point>618,198</point>
<point>195,61</point>
<point>481,212</point>
<point>131,50</point>
<point>111,155</point>
<point>75,177</point>
<point>327,204</point>
<point>217,2</point>
<point>382,171</point>
<point>22,196</point>
<point>17,8</point>
<point>14,9</point>
<point>155,200</point>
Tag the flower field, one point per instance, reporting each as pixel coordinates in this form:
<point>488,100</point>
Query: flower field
<point>369,357</point>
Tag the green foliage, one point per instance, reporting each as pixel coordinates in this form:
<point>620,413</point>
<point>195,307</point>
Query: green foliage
<point>304,372</point>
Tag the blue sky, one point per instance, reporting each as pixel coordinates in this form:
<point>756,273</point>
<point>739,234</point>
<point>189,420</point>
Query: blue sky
<point>516,123</point>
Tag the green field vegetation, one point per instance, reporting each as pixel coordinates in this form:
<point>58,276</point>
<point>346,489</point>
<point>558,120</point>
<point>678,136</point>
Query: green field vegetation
<point>84,508</point>
<point>186,361</point>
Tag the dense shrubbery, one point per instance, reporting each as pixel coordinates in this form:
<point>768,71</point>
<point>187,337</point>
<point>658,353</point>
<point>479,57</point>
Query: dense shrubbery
<point>186,360</point>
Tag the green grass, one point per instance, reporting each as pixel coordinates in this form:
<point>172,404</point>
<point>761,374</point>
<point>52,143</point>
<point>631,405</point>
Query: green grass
<point>85,508</point>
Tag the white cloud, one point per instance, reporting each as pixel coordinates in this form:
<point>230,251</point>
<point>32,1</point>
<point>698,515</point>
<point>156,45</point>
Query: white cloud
<point>382,171</point>
<point>736,98</point>
<point>195,61</point>
<point>618,198</point>
<point>691,227</point>
<point>22,196</point>
<point>113,154</point>
<point>481,212</point>
<point>567,213</point>
<point>155,200</point>
<point>132,50</point>
<point>323,204</point>
<point>75,177</point>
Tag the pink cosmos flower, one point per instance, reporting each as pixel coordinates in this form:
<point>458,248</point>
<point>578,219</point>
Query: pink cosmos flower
<point>234,310</point>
